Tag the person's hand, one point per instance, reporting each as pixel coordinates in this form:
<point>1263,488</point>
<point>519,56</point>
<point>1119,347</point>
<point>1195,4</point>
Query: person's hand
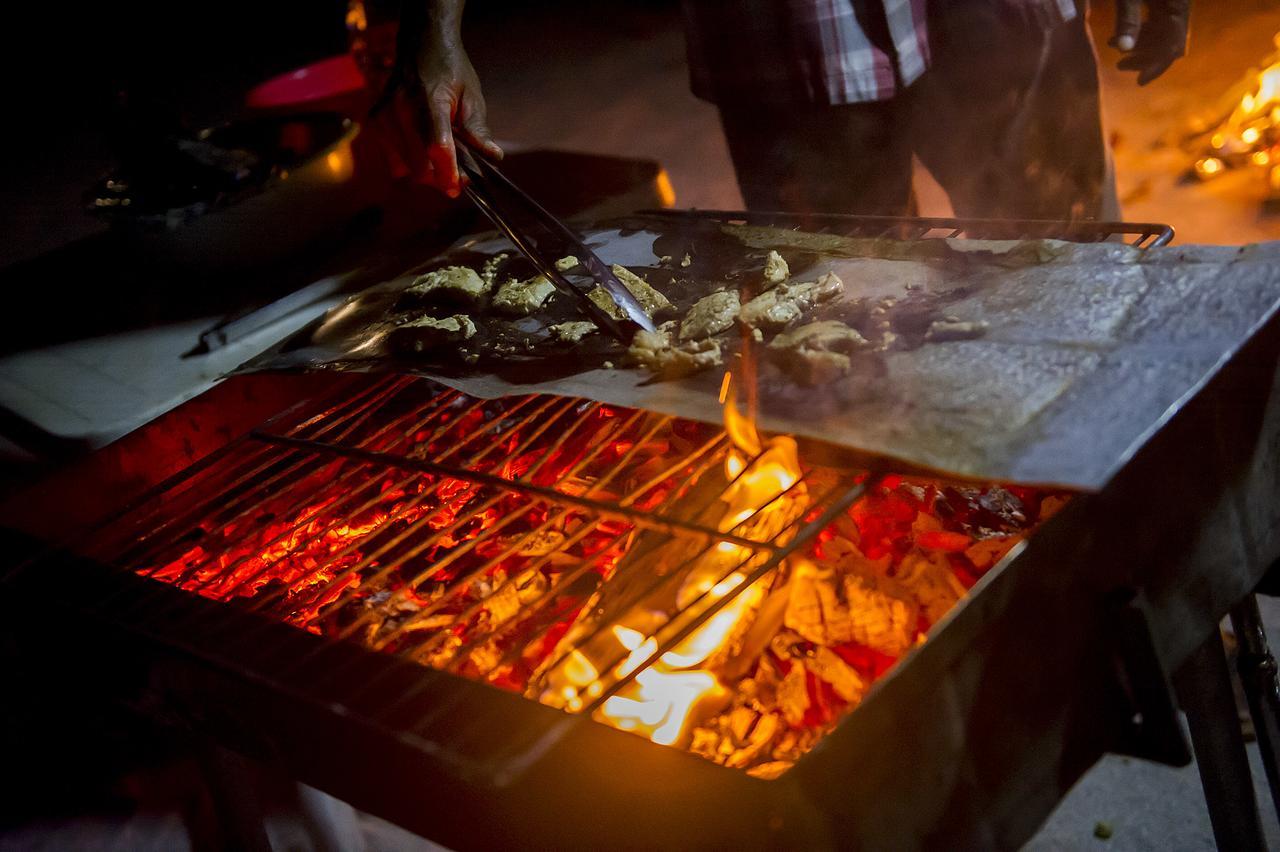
<point>454,104</point>
<point>1151,46</point>
<point>433,94</point>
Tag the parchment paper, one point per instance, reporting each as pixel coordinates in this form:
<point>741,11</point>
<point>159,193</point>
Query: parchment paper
<point>1088,346</point>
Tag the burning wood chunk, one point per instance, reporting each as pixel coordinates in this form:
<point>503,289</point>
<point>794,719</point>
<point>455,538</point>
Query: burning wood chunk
<point>572,331</point>
<point>650,299</point>
<point>950,328</point>
<point>423,333</point>
<point>710,315</point>
<point>771,770</point>
<point>655,352</point>
<point>775,268</point>
<point>793,695</point>
<point>1051,505</point>
<point>540,544</point>
<point>786,303</point>
<point>929,578</point>
<point>830,608</point>
<point>882,613</point>
<point>762,734</point>
<point>988,551</point>
<point>817,352</point>
<point>844,679</point>
<point>454,283</point>
<point>521,298</point>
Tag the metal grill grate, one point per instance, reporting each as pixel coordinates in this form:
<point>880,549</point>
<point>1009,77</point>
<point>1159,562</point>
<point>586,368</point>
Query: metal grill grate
<point>1142,235</point>
<point>462,534</point>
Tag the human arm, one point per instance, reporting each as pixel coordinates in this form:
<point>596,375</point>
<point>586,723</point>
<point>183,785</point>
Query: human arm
<point>438,78</point>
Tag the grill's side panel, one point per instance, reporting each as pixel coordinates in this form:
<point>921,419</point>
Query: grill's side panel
<point>975,738</point>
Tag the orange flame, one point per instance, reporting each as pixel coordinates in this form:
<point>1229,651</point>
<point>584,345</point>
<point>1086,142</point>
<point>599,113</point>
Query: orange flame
<point>662,697</point>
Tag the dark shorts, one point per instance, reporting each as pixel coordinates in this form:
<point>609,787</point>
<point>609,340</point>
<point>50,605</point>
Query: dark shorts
<point>1007,120</point>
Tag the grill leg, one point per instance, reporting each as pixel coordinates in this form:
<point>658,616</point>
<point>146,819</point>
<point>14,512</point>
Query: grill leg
<point>1204,691</point>
<point>1261,686</point>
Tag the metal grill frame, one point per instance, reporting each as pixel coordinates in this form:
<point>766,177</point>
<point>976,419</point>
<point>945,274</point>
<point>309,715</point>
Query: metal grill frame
<point>969,741</point>
<point>158,528</point>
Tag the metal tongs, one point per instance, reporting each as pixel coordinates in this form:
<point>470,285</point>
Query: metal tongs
<point>543,239</point>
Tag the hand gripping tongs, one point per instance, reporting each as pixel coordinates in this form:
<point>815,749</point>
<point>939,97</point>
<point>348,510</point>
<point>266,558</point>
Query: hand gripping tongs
<point>544,239</point>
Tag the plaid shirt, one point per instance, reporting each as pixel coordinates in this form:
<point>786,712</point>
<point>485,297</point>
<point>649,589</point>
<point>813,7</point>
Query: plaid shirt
<point>818,51</point>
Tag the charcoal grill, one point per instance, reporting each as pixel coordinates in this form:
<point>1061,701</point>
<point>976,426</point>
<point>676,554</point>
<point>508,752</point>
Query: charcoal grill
<point>970,740</point>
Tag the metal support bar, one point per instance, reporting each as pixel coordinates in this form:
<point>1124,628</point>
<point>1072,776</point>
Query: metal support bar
<point>1204,690</point>
<point>1257,669</point>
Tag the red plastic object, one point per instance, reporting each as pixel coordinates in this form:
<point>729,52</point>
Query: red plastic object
<point>335,78</point>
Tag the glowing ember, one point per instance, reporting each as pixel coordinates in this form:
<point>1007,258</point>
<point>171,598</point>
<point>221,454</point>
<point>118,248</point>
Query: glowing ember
<point>683,639</point>
<point>1247,131</point>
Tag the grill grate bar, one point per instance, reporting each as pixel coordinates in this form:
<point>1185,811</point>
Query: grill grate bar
<point>252,478</point>
<point>676,573</point>
<point>341,514</point>
<point>267,600</point>
<point>521,542</point>
<point>566,580</point>
<point>640,518</point>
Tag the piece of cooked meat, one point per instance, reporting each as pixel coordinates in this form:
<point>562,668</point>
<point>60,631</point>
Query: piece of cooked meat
<point>710,315</point>
<point>817,352</point>
<point>566,263</point>
<point>775,268</point>
<point>573,331</point>
<point>456,283</point>
<point>650,299</point>
<point>521,298</point>
<point>489,272</point>
<point>954,329</point>
<point>655,352</point>
<point>425,332</point>
<point>786,303</point>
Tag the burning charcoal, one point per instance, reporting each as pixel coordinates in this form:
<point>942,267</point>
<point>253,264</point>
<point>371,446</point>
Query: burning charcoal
<point>650,299</point>
<point>706,743</point>
<point>740,720</point>
<point>453,283</point>
<point>786,303</point>
<point>988,551</point>
<point>769,771</point>
<point>710,315</point>
<point>929,578</point>
<point>815,610</point>
<point>873,610</point>
<point>503,604</point>
<point>758,741</point>
<point>793,695</point>
<point>544,542</point>
<point>521,298</point>
<point>881,612</point>
<point>566,263</point>
<point>775,268</point>
<point>1051,505</point>
<point>1003,504</point>
<point>827,665</point>
<point>485,657</point>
